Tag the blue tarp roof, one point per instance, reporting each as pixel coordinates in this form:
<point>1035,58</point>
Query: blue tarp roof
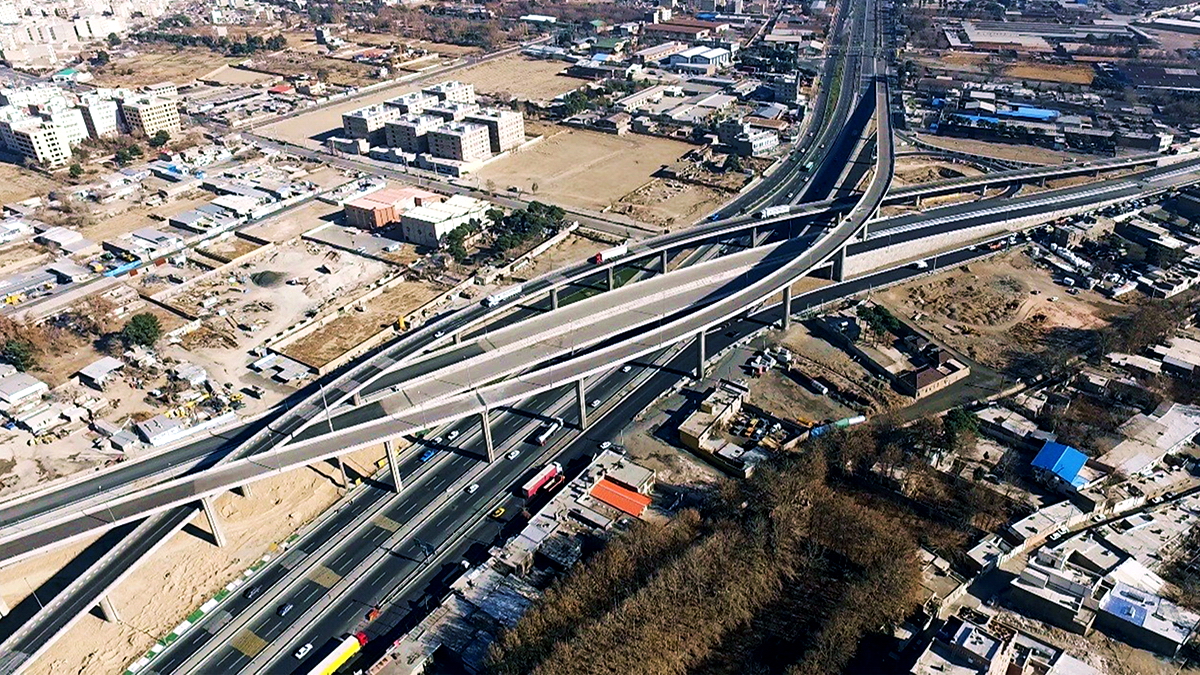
<point>1063,461</point>
<point>1030,113</point>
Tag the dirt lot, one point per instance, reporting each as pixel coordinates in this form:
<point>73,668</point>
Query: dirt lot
<point>179,67</point>
<point>913,172</point>
<point>338,336</point>
<point>230,248</point>
<point>571,250</point>
<point>18,183</point>
<point>670,203</point>
<point>815,357</point>
<point>1048,72</point>
<point>294,223</point>
<point>520,77</point>
<point>185,572</point>
<point>339,72</point>
<point>1000,312</point>
<point>1021,153</point>
<point>583,168</point>
<point>236,76</point>
<point>112,220</point>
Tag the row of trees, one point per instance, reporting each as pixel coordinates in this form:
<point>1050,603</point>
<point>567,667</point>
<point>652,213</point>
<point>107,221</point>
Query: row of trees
<point>781,574</point>
<point>520,228</point>
<point>23,345</point>
<point>248,45</point>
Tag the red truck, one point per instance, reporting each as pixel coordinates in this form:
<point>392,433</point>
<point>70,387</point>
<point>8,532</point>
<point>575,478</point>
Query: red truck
<point>542,477</point>
<point>609,254</point>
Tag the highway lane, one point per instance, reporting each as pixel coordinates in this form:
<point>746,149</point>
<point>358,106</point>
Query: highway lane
<point>511,430</point>
<point>418,586</point>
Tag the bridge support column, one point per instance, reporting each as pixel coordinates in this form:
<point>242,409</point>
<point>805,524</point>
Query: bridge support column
<point>4,608</point>
<point>920,200</point>
<point>553,298</point>
<point>214,522</point>
<point>393,464</point>
<point>356,399</point>
<point>345,485</point>
<point>457,337</point>
<point>787,307</point>
<point>108,611</point>
<point>983,191</point>
<point>612,278</point>
<point>839,265</point>
<point>581,400</point>
<point>485,419</point>
<point>244,491</point>
<point>703,356</point>
<point>663,261</point>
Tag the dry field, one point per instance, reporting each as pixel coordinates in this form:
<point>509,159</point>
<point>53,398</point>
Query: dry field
<point>179,67</point>
<point>1047,72</point>
<point>239,76</point>
<point>344,333</point>
<point>586,169</point>
<point>669,203</point>
<point>338,71</point>
<point>1002,311</point>
<point>520,77</point>
<point>18,183</point>
<point>914,171</point>
<point>1005,151</point>
<point>293,223</point>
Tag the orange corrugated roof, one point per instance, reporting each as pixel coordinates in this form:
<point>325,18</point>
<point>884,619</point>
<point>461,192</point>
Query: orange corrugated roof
<point>620,498</point>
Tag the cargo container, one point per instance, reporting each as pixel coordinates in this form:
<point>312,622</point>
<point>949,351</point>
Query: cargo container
<point>502,296</point>
<point>542,477</point>
<point>610,254</point>
<point>772,211</point>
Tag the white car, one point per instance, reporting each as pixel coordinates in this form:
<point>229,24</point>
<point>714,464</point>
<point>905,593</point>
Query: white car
<point>626,369</point>
<point>300,653</point>
<point>473,488</point>
<point>606,445</point>
<point>595,403</point>
<point>514,454</point>
<point>453,434</point>
<point>437,441</point>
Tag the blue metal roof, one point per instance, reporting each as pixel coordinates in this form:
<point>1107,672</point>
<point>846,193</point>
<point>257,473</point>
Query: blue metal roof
<point>1030,113</point>
<point>1063,461</point>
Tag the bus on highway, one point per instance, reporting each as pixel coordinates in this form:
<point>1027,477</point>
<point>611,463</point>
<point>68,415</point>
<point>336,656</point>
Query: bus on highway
<point>348,647</point>
<point>547,430</point>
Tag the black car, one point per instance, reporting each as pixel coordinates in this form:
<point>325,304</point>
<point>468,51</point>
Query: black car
<point>253,592</point>
<point>284,609</point>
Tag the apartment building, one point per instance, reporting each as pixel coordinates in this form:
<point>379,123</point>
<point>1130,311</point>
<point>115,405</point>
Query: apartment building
<point>429,224</point>
<point>70,123</point>
<point>368,123</point>
<point>506,128</point>
<point>101,116</point>
<point>34,138</point>
<point>409,133</point>
<point>413,103</point>
<point>150,115</point>
<point>452,92</point>
<point>461,141</point>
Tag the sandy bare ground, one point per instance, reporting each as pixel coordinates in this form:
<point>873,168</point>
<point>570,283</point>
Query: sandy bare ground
<point>240,76</point>
<point>184,573</point>
<point>998,310</point>
<point>588,169</point>
<point>18,183</point>
<point>179,67</point>
<point>520,77</point>
<point>1021,153</point>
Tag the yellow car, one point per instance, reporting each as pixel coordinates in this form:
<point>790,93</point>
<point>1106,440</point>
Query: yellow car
<point>498,513</point>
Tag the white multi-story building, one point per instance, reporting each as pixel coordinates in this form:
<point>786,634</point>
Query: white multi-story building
<point>461,141</point>
<point>506,128</point>
<point>412,103</point>
<point>428,225</point>
<point>69,122</point>
<point>101,116</point>
<point>149,115</point>
<point>368,122</point>
<point>452,92</point>
<point>32,137</point>
<point>410,133</point>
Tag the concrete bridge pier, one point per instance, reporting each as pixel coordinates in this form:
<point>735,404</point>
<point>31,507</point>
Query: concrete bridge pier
<point>787,307</point>
<point>5,610</point>
<point>393,464</point>
<point>662,261</point>
<point>612,278</point>
<point>839,265</point>
<point>244,491</point>
<point>485,419</point>
<point>108,611</point>
<point>553,298</point>
<point>357,399</point>
<point>214,523</point>
<point>581,400</point>
<point>703,356</point>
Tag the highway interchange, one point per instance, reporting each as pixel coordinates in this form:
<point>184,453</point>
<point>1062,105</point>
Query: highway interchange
<point>434,486</point>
